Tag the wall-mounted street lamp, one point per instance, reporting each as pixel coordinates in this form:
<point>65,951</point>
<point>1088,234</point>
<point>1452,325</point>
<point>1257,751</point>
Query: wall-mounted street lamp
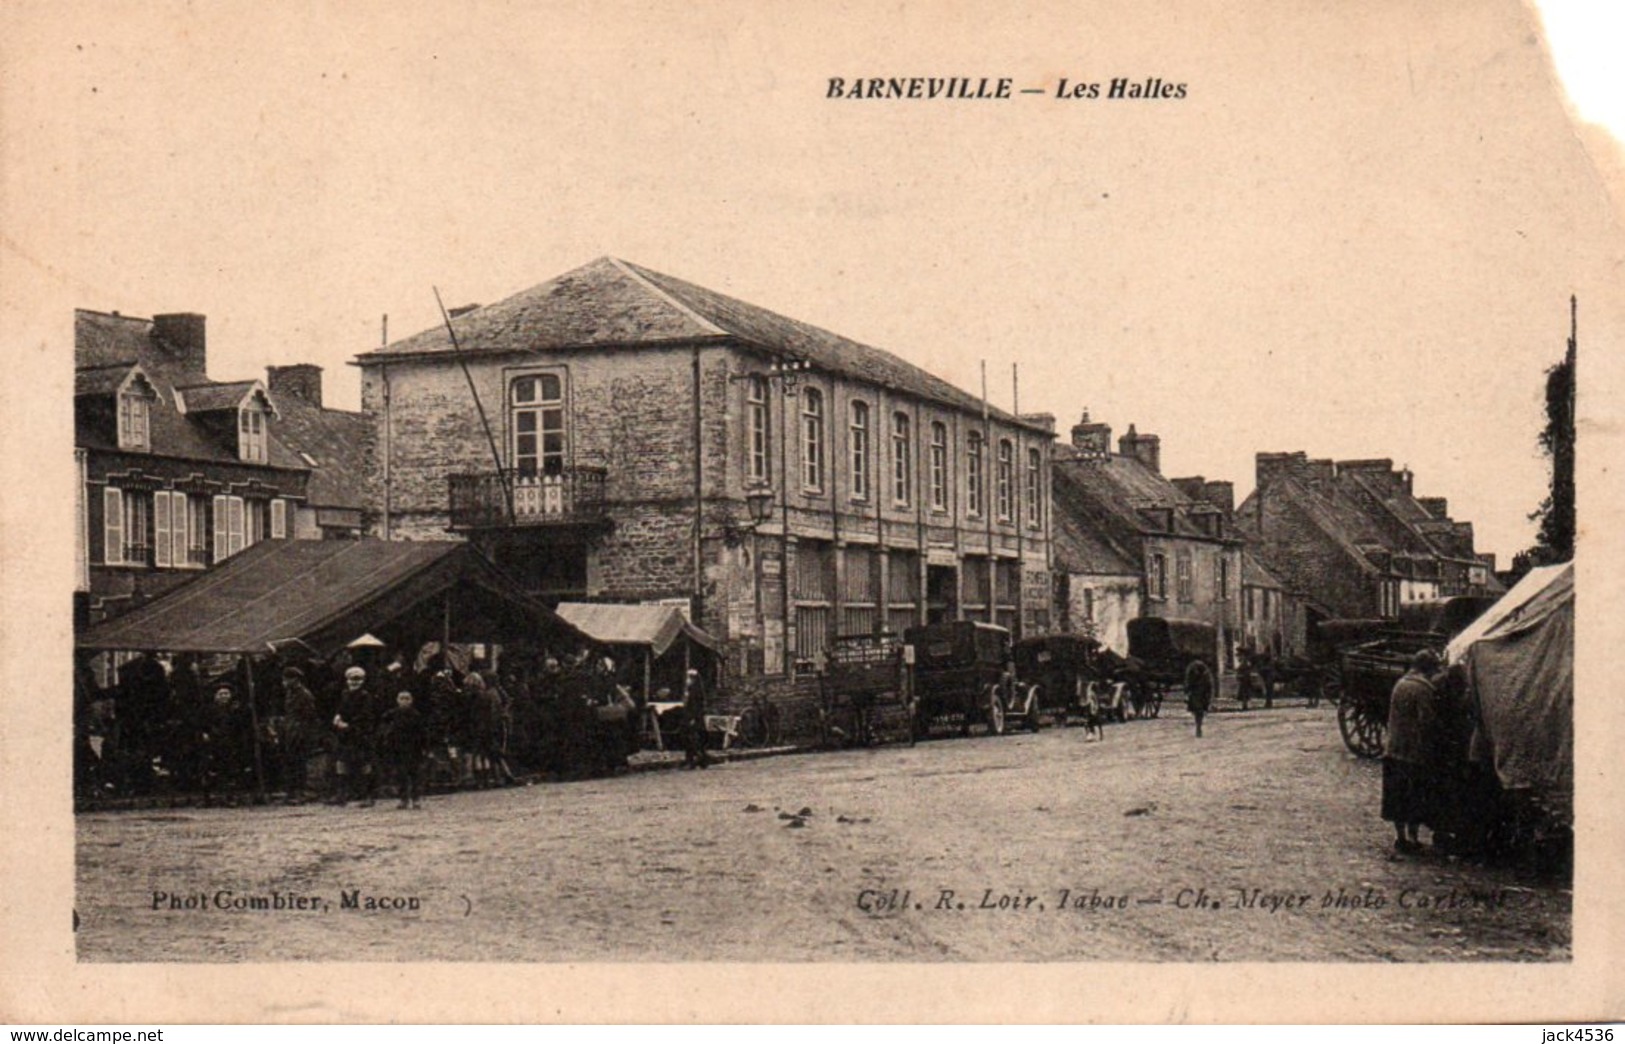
<point>759,502</point>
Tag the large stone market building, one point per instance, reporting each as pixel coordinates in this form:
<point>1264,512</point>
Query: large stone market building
<point>635,429</point>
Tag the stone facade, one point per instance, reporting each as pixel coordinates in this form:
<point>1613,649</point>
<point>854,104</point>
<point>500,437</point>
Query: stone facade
<point>658,441</point>
<point>1352,533</point>
<point>1117,517</point>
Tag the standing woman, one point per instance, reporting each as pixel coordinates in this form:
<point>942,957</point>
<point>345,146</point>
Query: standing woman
<point>1407,772</point>
<point>1198,692</point>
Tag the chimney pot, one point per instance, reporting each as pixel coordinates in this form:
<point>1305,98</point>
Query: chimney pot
<point>1147,449</point>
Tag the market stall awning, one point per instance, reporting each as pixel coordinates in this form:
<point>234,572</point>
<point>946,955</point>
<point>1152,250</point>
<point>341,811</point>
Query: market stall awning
<point>655,626</point>
<point>326,593</point>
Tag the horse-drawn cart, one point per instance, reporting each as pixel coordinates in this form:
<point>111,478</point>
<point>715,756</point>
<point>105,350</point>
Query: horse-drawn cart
<point>1168,654</point>
<point>1372,655</point>
<point>863,679</point>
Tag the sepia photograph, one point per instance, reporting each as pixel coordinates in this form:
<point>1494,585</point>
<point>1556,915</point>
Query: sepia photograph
<point>822,512</point>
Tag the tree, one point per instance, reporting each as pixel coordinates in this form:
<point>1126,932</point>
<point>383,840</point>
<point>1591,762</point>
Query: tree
<point>1555,541</point>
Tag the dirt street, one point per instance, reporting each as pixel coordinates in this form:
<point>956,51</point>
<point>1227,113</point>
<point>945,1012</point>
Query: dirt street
<point>1259,842</point>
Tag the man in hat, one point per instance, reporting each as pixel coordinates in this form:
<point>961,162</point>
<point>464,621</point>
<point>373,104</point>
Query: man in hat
<point>353,726</point>
<point>1407,775</point>
<point>694,752</point>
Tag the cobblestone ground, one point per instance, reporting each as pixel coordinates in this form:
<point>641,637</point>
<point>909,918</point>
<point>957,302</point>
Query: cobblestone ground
<point>1150,845</point>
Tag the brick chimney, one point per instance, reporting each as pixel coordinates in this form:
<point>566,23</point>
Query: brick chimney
<point>301,381</point>
<point>1221,495</point>
<point>1091,439</point>
<point>180,338</point>
<point>1464,539</point>
<point>1270,466</point>
<point>1147,449</point>
<point>1194,488</point>
<point>1438,507</point>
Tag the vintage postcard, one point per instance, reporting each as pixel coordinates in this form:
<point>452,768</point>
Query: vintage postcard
<point>807,512</point>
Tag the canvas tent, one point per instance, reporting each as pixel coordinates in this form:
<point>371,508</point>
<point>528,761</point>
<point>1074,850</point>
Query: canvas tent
<point>1519,658</point>
<point>652,631</point>
<point>326,593</point>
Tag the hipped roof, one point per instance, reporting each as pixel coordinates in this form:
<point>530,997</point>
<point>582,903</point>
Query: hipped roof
<point>610,303</point>
<point>655,626</point>
<point>324,593</point>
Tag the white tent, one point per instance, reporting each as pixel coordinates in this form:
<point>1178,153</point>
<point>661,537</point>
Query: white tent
<point>1519,658</point>
<point>1509,604</point>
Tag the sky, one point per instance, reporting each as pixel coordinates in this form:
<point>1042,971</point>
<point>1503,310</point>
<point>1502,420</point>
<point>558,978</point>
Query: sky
<point>1356,235</point>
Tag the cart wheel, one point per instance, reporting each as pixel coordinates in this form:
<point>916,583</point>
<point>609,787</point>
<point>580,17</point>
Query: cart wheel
<point>1035,703</point>
<point>995,712</point>
<point>1362,732</point>
<point>1156,703</point>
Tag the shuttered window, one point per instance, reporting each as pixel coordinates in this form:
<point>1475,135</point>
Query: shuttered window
<point>279,519</point>
<point>161,528</point>
<point>222,535</point>
<point>113,526</point>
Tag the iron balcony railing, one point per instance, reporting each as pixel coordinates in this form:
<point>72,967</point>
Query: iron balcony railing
<point>574,495</point>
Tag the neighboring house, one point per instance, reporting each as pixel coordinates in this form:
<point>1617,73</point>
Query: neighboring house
<point>333,444</point>
<point>177,471</point>
<point>1352,534</point>
<point>1121,513</point>
<point>1098,585</point>
<point>639,424</point>
<point>1273,616</point>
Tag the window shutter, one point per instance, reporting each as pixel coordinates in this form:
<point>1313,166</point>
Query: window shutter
<point>112,526</point>
<point>234,537</point>
<point>279,519</point>
<point>179,505</point>
<point>160,528</point>
<point>222,545</point>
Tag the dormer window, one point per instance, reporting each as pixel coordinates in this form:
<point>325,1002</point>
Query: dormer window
<point>251,435</point>
<point>135,399</point>
<point>133,428</point>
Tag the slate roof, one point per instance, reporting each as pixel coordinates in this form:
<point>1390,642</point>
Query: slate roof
<point>216,395</point>
<point>1119,487</point>
<point>101,380</point>
<point>103,342</point>
<point>336,440</point>
<point>614,303</point>
<point>1253,573</point>
<point>1081,545</point>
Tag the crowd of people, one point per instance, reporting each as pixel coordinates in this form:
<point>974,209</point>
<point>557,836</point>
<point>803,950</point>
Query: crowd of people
<point>348,729</point>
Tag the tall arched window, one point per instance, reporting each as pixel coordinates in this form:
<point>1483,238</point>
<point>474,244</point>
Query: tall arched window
<point>1035,515</point>
<point>536,413</point>
<point>859,443</point>
<point>812,439</point>
<point>902,458</point>
<point>973,473</point>
<point>1006,480</point>
<point>939,466</point>
<point>759,470</point>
